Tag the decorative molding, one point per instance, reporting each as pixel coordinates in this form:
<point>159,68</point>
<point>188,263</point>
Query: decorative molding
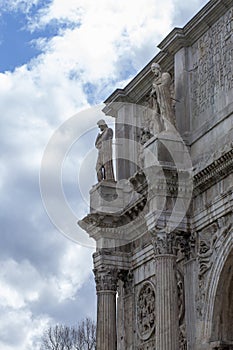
<point>181,310</point>
<point>182,338</point>
<point>140,85</point>
<point>196,27</point>
<point>104,220</point>
<point>213,173</point>
<point>181,296</point>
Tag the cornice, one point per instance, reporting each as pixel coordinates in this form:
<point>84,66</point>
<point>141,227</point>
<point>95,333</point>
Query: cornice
<point>140,85</point>
<point>196,27</point>
<point>213,173</point>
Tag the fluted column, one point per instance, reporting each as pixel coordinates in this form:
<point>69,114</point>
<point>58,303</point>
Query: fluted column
<point>190,284</point>
<point>106,287</point>
<point>167,315</point>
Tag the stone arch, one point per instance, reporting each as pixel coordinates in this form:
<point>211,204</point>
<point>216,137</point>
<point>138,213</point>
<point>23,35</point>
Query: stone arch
<point>222,329</point>
<point>220,281</point>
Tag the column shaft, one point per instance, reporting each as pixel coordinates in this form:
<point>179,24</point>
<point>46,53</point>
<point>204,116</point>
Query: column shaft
<point>106,320</point>
<point>167,325</point>
<point>106,287</point>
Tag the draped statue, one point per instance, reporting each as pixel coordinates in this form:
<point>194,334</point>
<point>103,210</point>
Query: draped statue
<point>160,98</point>
<point>104,165</point>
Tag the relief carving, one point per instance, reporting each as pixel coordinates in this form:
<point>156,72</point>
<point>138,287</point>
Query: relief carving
<point>182,338</point>
<point>181,297</point>
<point>146,311</point>
<point>181,310</point>
<point>212,71</point>
<point>147,346</point>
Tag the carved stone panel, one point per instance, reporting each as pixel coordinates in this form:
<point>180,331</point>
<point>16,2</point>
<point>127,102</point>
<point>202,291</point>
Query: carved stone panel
<point>145,311</point>
<point>211,71</point>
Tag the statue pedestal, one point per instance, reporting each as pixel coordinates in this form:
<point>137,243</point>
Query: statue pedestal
<point>109,196</point>
<point>166,148</point>
<point>167,168</point>
<point>104,197</point>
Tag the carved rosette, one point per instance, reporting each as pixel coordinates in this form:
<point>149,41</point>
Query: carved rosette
<point>146,311</point>
<point>106,280</point>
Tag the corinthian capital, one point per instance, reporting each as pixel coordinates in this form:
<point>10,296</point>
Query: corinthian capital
<point>164,242</point>
<point>106,279</point>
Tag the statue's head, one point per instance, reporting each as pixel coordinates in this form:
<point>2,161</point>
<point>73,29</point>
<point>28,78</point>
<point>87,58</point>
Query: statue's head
<point>156,69</point>
<point>102,124</point>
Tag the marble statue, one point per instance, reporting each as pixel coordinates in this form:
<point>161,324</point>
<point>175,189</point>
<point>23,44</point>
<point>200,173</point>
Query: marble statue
<point>104,165</point>
<point>161,101</point>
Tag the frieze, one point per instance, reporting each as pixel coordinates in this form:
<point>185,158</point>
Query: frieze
<point>145,310</point>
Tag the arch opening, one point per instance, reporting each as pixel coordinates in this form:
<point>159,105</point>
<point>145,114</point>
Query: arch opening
<point>222,324</point>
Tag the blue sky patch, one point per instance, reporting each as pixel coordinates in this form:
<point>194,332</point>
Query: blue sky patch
<point>17,42</point>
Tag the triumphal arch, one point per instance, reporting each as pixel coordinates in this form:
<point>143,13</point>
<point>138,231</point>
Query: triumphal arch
<point>163,222</point>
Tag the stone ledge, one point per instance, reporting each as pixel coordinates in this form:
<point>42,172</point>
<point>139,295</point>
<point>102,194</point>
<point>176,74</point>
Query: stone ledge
<point>196,27</point>
<point>213,173</point>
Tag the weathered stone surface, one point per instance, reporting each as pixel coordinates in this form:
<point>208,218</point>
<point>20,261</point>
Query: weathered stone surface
<point>165,243</point>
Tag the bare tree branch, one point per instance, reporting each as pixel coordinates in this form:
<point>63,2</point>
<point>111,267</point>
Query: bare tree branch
<point>61,337</point>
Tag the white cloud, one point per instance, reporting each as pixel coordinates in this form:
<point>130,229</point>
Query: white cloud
<point>75,268</point>
<point>20,330</point>
<point>19,283</point>
<point>108,32</point>
<point>23,286</point>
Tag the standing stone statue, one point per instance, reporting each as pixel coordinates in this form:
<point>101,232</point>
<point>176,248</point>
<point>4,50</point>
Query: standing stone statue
<point>161,100</point>
<point>104,165</point>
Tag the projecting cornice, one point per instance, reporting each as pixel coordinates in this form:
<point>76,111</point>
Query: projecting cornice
<point>196,27</point>
<point>213,173</point>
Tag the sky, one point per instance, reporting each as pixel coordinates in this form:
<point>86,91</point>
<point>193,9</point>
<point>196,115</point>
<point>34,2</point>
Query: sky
<point>59,59</point>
